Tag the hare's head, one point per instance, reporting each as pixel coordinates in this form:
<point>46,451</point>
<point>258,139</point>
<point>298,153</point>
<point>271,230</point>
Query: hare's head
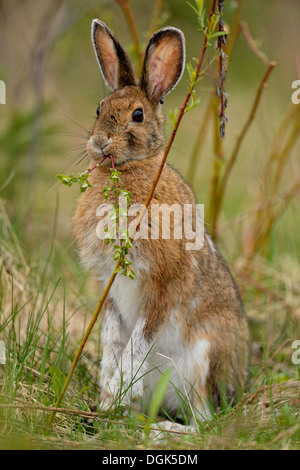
<point>129,123</point>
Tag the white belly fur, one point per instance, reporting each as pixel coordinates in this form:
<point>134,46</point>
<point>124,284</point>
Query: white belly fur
<point>168,350</point>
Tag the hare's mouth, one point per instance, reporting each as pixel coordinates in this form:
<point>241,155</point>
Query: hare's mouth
<point>97,152</point>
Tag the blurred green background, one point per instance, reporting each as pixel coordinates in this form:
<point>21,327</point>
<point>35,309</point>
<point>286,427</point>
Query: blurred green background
<point>54,84</point>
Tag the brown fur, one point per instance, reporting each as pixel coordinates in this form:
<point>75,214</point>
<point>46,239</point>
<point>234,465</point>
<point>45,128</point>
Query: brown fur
<point>198,282</point>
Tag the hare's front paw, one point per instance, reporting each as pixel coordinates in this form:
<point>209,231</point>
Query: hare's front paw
<point>120,391</point>
<point>132,390</point>
<point>110,393</point>
<point>107,400</point>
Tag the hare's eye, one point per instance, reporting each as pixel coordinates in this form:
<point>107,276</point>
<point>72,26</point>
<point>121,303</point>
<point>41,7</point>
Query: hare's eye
<point>98,111</point>
<point>138,115</point>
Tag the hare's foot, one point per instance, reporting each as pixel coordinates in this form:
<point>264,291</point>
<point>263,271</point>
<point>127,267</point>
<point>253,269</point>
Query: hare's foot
<point>164,429</point>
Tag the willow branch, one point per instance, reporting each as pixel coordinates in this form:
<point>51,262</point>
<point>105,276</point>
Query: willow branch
<point>267,214</point>
<point>240,139</point>
<point>251,43</point>
<point>264,233</point>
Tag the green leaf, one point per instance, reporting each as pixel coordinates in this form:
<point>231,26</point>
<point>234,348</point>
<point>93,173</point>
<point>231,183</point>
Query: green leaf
<point>57,379</point>
<point>217,34</point>
<point>129,272</point>
<point>194,8</point>
<point>106,192</point>
<point>115,175</point>
<point>157,398</point>
<point>159,393</point>
<point>200,12</point>
<point>173,115</point>
<point>193,103</point>
<point>67,179</point>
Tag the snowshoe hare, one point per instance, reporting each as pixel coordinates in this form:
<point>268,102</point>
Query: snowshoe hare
<point>183,310</point>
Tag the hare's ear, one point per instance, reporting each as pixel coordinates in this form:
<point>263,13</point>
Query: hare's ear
<point>114,63</point>
<point>164,63</point>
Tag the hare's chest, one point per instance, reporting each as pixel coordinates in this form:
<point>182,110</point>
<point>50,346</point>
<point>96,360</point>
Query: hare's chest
<point>98,258</point>
<point>127,295</point>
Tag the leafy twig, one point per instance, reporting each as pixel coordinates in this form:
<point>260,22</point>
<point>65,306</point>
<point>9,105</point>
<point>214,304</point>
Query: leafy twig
<point>82,179</point>
<point>121,250</point>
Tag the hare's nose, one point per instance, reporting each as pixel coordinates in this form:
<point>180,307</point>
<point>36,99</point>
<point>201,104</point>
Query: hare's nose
<point>101,142</point>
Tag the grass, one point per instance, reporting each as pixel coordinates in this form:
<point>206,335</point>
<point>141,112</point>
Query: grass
<point>36,326</point>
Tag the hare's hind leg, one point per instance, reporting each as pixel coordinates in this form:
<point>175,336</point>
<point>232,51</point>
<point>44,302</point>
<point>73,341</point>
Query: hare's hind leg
<point>193,395</point>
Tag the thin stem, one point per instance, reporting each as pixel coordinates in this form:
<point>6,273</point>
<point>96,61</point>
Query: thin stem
<point>126,7</point>
<point>252,44</point>
<point>222,72</point>
<point>199,141</point>
<point>239,141</point>
<point>157,9</point>
<point>96,166</point>
<point>218,164</point>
